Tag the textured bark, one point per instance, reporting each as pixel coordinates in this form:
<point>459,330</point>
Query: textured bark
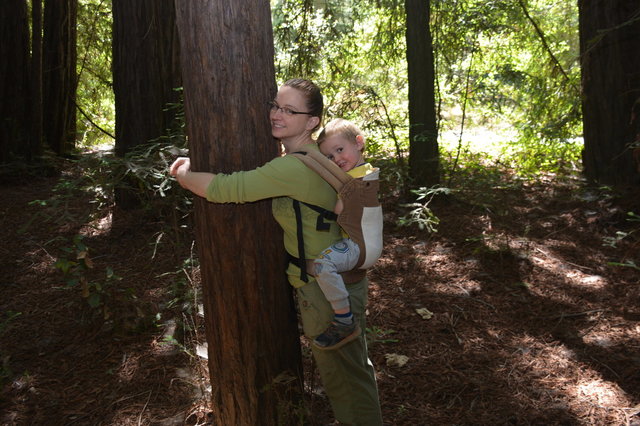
<point>145,73</point>
<point>14,81</point>
<point>145,70</point>
<point>228,71</point>
<point>423,133</point>
<point>609,44</point>
<point>59,74</point>
<point>35,140</point>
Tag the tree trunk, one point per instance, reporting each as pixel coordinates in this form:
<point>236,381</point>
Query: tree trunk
<point>609,44</point>
<point>36,79</point>
<point>423,133</point>
<point>14,81</point>
<point>145,74</point>
<point>250,321</point>
<point>59,74</point>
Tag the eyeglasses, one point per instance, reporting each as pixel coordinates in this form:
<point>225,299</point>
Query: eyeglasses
<point>273,105</point>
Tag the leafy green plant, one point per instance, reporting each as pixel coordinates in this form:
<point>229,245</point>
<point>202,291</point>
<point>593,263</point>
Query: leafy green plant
<point>75,266</point>
<point>420,213</point>
<point>622,235</point>
<point>378,335</point>
<point>57,208</point>
<point>627,264</point>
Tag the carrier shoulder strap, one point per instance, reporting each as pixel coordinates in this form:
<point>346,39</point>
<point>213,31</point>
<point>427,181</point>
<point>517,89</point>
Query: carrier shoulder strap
<point>326,168</point>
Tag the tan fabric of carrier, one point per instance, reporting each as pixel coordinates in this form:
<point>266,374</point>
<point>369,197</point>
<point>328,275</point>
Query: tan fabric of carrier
<point>361,205</point>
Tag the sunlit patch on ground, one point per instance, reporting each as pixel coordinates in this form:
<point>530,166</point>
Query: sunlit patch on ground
<point>600,393</point>
<point>99,226</point>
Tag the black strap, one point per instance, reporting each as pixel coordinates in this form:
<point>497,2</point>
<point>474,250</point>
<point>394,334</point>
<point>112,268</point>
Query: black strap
<point>321,225</point>
<point>323,214</point>
<point>301,265</point>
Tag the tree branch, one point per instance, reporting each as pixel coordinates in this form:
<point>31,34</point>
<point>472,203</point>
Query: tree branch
<point>92,122</point>
<point>546,45</point>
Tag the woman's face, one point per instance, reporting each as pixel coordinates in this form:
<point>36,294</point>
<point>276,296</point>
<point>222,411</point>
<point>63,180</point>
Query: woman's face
<point>285,123</point>
<point>346,153</point>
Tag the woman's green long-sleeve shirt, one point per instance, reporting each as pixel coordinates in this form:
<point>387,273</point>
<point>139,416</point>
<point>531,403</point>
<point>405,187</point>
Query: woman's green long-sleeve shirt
<point>284,179</point>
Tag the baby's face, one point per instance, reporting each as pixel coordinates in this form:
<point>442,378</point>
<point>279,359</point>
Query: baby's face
<point>346,153</point>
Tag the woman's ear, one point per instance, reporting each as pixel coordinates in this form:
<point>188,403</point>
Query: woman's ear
<point>313,122</point>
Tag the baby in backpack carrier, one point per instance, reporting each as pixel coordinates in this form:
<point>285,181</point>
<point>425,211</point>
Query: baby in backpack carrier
<point>343,143</point>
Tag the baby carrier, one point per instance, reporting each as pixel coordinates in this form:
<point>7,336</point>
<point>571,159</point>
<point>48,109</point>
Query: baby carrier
<point>361,217</point>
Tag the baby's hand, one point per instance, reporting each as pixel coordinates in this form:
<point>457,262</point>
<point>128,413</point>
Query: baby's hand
<point>339,207</point>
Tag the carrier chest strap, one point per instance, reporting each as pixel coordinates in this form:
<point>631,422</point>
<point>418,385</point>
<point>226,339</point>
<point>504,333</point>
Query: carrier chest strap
<point>321,225</point>
<point>323,214</point>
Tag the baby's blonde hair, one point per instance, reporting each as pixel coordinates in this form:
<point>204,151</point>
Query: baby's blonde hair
<point>341,127</point>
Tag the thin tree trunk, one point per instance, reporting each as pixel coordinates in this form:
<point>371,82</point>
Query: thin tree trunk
<point>254,353</point>
<point>59,74</point>
<point>36,78</point>
<point>424,156</point>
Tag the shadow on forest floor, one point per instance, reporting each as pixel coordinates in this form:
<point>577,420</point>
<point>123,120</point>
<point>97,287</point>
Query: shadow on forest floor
<point>510,314</point>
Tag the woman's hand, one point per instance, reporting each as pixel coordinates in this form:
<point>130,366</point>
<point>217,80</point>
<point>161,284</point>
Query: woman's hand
<point>196,182</point>
<point>180,167</point>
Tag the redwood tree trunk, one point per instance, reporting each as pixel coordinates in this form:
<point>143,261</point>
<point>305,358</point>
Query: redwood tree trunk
<point>609,43</point>
<point>145,74</point>
<point>59,74</point>
<point>424,157</point>
<point>36,79</point>
<point>251,326</point>
<point>14,81</point>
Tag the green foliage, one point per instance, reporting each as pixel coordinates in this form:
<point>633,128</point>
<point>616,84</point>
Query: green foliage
<point>95,98</point>
<point>75,265</point>
<point>420,213</point>
<point>509,63</point>
<point>513,76</point>
<point>57,208</point>
<point>621,235</point>
<point>613,242</point>
<point>144,169</point>
<point>378,335</point>
<point>184,295</point>
<point>354,50</point>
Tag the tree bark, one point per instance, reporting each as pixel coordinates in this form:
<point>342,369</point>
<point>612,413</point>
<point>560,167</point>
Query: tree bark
<point>36,79</point>
<point>14,81</point>
<point>59,74</point>
<point>424,156</point>
<point>228,71</point>
<point>145,74</point>
<point>609,43</point>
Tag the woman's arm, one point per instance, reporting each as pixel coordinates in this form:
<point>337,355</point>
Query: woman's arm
<point>196,182</point>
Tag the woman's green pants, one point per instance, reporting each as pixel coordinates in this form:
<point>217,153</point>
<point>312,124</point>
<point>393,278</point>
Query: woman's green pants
<point>347,374</point>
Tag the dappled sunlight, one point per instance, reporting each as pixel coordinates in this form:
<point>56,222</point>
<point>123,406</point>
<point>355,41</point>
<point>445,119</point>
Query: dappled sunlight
<point>489,138</point>
<point>600,393</point>
<point>573,273</point>
<point>553,367</point>
<point>98,226</point>
<point>610,337</point>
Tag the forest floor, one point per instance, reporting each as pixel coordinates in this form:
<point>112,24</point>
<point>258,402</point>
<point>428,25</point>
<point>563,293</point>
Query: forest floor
<point>514,312</point>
